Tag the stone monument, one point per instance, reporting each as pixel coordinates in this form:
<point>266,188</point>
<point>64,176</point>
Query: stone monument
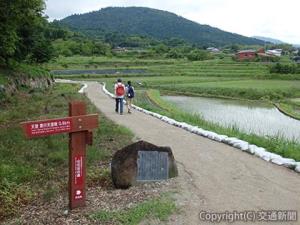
<point>142,162</point>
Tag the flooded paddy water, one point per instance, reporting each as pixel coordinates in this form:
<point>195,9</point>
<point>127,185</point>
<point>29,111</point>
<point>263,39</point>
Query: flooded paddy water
<point>249,117</point>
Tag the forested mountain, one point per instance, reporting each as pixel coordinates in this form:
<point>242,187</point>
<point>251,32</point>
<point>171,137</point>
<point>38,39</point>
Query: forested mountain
<point>153,23</point>
<point>270,40</point>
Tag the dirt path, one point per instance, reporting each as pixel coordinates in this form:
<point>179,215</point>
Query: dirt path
<point>214,177</point>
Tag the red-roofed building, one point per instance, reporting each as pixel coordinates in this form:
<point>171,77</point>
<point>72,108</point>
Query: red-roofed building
<point>246,55</point>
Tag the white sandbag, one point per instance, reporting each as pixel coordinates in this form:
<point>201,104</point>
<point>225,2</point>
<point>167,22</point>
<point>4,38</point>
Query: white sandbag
<point>231,140</point>
<point>260,152</point>
<point>275,156</point>
<point>66,81</point>
<point>205,133</point>
<point>277,161</point>
<point>198,131</point>
<point>195,130</point>
<point>164,118</point>
<point>222,137</point>
<point>211,135</point>
<point>297,168</point>
<point>81,91</point>
<point>243,145</point>
<point>171,121</point>
<point>266,156</point>
<point>251,149</point>
<point>289,163</point>
<point>185,126</point>
<point>218,138</point>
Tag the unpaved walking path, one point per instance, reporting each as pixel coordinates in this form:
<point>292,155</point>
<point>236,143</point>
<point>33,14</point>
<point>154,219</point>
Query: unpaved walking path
<point>212,176</point>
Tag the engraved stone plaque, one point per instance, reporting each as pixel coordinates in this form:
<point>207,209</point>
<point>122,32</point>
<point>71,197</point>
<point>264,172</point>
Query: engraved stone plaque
<point>142,162</point>
<point>152,166</point>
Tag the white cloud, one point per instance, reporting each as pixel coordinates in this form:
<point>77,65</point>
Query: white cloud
<point>272,18</point>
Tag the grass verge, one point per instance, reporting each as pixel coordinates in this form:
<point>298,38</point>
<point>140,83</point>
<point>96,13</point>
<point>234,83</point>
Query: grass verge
<point>290,109</point>
<point>160,208</point>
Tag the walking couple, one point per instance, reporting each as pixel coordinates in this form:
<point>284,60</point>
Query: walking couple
<point>120,92</point>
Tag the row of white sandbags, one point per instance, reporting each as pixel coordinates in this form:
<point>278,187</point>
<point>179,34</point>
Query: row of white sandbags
<point>239,144</point>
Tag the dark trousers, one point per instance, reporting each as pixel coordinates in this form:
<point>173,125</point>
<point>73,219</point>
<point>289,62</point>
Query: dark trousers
<point>119,102</point>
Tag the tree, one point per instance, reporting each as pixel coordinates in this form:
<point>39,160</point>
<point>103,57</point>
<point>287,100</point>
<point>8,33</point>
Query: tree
<point>8,31</point>
<point>22,30</point>
<point>235,47</point>
<point>101,48</point>
<point>175,42</point>
<point>161,48</point>
<point>114,39</point>
<point>55,31</point>
<point>43,51</point>
<point>198,55</point>
<point>175,53</point>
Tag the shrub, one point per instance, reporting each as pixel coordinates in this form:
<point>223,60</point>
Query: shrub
<point>175,54</point>
<point>199,55</point>
<point>285,68</point>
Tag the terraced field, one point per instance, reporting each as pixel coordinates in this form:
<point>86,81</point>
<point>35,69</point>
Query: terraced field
<point>218,68</point>
<point>218,78</point>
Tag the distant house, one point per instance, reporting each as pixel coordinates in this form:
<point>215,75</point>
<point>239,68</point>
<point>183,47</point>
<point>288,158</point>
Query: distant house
<point>120,49</point>
<point>263,57</point>
<point>246,55</point>
<point>275,52</point>
<point>259,55</point>
<point>297,59</point>
<point>213,50</point>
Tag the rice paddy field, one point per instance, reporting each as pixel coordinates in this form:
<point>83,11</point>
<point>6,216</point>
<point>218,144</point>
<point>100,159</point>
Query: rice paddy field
<point>218,78</point>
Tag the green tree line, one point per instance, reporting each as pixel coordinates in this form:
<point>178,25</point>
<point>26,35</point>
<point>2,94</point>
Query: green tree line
<point>27,36</point>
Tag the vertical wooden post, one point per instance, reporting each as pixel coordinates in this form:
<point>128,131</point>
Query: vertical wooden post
<point>79,126</point>
<point>77,159</point>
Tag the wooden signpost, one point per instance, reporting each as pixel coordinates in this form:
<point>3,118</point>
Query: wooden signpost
<point>79,126</point>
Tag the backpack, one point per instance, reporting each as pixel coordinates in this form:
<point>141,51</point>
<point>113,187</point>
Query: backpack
<point>120,90</point>
<point>130,92</point>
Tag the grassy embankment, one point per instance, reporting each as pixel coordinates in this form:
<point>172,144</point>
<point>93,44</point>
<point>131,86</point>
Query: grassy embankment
<point>290,107</point>
<point>15,78</point>
<point>21,70</point>
<point>82,62</point>
<point>214,78</point>
<point>38,168</point>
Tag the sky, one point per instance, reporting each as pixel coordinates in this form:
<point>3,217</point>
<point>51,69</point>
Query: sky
<point>268,18</point>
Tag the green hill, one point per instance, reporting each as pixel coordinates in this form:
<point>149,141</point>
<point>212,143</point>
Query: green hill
<point>153,23</point>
